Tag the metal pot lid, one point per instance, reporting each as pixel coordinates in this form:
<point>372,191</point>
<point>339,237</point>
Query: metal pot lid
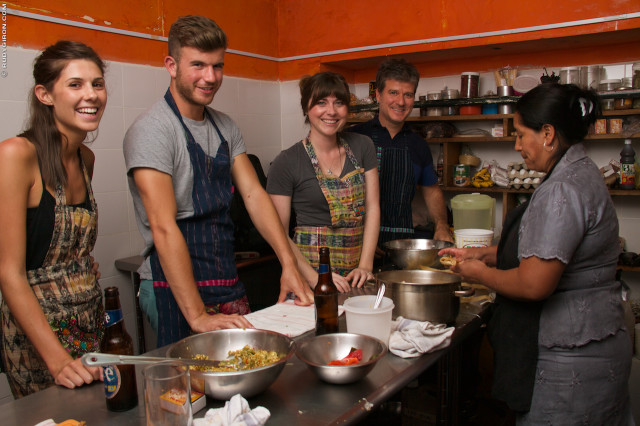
<point>418,277</point>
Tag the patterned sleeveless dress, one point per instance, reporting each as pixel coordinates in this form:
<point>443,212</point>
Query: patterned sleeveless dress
<point>68,293</point>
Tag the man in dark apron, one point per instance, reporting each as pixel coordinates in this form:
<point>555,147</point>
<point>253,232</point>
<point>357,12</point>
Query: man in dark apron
<point>181,158</point>
<point>404,159</point>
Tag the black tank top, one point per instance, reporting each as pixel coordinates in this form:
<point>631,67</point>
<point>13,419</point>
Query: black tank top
<point>40,224</point>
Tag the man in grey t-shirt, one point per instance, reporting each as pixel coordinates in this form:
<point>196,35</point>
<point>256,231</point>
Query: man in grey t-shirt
<point>181,157</point>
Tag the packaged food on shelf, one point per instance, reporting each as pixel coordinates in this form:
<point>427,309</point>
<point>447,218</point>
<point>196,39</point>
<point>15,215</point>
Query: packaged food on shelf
<point>520,176</point>
<point>461,175</point>
<point>600,126</point>
<point>622,103</point>
<point>615,125</point>
<point>499,175</point>
<point>497,131</point>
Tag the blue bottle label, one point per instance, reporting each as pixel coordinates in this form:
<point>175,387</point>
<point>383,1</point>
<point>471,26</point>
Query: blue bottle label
<point>322,268</point>
<point>112,381</point>
<point>112,317</point>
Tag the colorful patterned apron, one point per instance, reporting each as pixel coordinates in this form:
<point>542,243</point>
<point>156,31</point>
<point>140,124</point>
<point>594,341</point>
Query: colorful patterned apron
<point>346,199</point>
<point>68,293</point>
<point>397,188</point>
<point>209,237</point>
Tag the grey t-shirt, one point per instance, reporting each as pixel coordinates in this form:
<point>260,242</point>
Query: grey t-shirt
<point>292,174</point>
<point>571,218</point>
<point>157,140</point>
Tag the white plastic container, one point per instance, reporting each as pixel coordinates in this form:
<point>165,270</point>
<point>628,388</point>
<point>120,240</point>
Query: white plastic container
<point>466,238</point>
<point>363,319</point>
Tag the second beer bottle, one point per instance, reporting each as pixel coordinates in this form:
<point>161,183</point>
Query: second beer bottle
<point>119,380</point>
<point>325,296</point>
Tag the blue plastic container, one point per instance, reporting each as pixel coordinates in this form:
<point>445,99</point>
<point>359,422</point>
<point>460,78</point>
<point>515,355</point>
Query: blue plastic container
<point>490,108</point>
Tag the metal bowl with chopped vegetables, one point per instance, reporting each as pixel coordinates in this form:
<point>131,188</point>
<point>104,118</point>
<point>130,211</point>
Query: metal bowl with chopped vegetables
<point>250,360</point>
<point>339,349</point>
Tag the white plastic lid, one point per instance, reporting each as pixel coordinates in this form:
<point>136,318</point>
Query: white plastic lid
<point>471,73</point>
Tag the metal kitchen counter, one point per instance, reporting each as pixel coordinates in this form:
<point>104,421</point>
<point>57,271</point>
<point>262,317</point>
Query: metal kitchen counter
<point>296,397</point>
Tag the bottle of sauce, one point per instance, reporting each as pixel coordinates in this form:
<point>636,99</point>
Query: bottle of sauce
<point>119,380</point>
<point>325,296</point>
<point>627,166</point>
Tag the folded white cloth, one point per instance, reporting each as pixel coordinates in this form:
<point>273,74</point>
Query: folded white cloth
<point>236,412</point>
<point>410,338</point>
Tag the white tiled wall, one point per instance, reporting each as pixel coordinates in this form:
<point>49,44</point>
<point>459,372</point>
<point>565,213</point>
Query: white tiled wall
<point>254,105</point>
<point>269,116</point>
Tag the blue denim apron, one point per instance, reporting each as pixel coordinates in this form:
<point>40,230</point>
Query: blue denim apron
<point>209,237</point>
<point>397,188</point>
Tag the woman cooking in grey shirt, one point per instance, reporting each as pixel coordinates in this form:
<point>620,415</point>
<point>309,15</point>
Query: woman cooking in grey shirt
<point>575,368</point>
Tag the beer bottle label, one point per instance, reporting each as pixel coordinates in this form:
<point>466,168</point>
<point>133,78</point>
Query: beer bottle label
<point>112,381</point>
<point>322,268</point>
<point>112,317</point>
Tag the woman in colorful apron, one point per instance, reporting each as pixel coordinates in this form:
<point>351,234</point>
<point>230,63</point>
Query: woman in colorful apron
<point>51,311</point>
<point>352,235</point>
<point>209,237</point>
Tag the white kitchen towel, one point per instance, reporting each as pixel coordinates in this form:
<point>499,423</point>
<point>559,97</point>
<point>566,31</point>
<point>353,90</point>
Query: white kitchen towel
<point>236,412</point>
<point>286,318</point>
<point>410,338</point>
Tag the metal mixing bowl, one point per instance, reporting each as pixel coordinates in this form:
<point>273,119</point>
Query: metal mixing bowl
<point>416,254</point>
<point>318,351</point>
<point>217,344</point>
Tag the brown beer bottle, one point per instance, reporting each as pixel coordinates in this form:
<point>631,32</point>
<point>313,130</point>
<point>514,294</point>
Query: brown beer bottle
<point>119,380</point>
<point>325,296</point>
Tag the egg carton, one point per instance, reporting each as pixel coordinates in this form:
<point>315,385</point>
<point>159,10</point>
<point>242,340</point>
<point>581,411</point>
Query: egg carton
<point>521,177</point>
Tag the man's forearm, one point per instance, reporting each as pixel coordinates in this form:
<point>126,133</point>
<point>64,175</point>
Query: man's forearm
<point>267,222</point>
<point>434,199</point>
<point>176,265</point>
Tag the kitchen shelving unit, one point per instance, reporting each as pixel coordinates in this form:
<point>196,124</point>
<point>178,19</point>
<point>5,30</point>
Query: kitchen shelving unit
<point>452,146</point>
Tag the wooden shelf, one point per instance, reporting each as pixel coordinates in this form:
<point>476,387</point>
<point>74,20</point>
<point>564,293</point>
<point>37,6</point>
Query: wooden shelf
<point>490,190</point>
<point>625,192</point>
<point>472,139</point>
<point>460,117</point>
<point>499,190</point>
<point>452,148</point>
<point>609,137</point>
<point>616,94</point>
<point>628,268</point>
<point>620,112</point>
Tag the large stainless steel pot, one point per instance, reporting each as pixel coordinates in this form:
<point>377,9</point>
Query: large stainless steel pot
<point>424,295</point>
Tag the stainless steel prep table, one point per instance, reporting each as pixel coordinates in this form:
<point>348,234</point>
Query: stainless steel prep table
<point>296,397</point>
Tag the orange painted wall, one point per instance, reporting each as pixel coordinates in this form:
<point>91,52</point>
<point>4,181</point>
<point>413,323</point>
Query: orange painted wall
<point>338,24</point>
<point>250,26</point>
<point>286,28</point>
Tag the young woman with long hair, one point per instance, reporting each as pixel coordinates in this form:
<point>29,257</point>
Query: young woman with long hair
<point>51,308</point>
